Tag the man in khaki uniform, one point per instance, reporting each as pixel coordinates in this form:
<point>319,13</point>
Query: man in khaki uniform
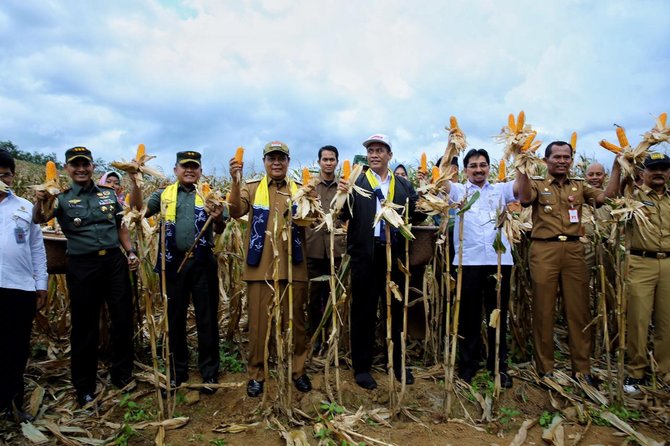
<point>595,177</point>
<point>557,255</point>
<point>264,201</point>
<point>318,242</point>
<point>648,281</point>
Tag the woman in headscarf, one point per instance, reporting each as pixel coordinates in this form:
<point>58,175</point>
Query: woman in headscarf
<point>113,179</point>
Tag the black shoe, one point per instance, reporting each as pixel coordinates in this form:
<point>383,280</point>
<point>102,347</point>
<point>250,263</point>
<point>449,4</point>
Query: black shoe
<point>366,381</point>
<point>631,385</point>
<point>505,380</point>
<point>209,390</point>
<point>254,388</point>
<point>85,399</point>
<point>409,378</point>
<point>303,383</point>
<point>122,382</point>
<point>25,417</point>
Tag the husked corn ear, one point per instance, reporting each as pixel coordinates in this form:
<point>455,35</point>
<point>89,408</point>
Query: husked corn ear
<point>502,171</point>
<point>621,136</point>
<point>346,169</point>
<point>423,167</point>
<point>663,119</point>
<point>51,171</point>
<point>453,123</point>
<point>529,141</point>
<point>609,146</point>
<point>511,124</point>
<point>435,174</point>
<point>239,154</point>
<point>127,200</point>
<point>573,141</point>
<point>521,121</point>
<point>305,176</point>
<point>140,152</point>
<point>206,189</point>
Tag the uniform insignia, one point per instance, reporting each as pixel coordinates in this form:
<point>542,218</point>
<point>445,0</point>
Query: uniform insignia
<point>545,189</point>
<point>574,189</point>
<point>547,209</point>
<point>77,221</point>
<point>99,194</point>
<point>74,201</point>
<point>109,216</point>
<point>103,209</point>
<point>648,203</point>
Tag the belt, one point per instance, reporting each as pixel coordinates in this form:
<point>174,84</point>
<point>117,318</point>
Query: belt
<point>558,238</point>
<point>99,253</point>
<point>650,254</point>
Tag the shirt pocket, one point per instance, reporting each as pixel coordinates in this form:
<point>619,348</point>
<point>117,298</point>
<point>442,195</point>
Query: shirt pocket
<point>81,212</point>
<point>546,199</point>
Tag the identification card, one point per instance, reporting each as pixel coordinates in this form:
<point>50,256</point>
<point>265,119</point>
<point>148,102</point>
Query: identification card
<point>20,235</point>
<point>574,216</point>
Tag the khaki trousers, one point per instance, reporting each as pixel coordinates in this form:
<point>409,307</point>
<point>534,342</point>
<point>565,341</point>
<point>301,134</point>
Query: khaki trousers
<point>551,262</point>
<point>648,285</point>
<point>259,296</point>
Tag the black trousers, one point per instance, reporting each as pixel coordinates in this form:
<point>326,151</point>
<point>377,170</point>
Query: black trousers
<point>368,289</point>
<point>319,291</point>
<point>17,310</point>
<point>93,280</point>
<point>479,290</point>
<point>199,281</point>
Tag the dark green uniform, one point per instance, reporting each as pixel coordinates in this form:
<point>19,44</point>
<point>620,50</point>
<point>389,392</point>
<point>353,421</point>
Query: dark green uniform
<point>97,272</point>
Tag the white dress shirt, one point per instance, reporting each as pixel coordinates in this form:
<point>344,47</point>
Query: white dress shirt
<point>23,266</point>
<point>384,187</point>
<point>479,222</point>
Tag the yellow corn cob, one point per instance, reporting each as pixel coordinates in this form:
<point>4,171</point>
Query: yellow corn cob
<point>529,141</point>
<point>621,136</point>
<point>239,154</point>
<point>521,121</point>
<point>609,146</point>
<point>502,171</point>
<point>127,200</point>
<point>435,174</point>
<point>423,167</point>
<point>346,170</point>
<point>453,123</point>
<point>663,119</point>
<point>573,141</point>
<point>140,152</point>
<point>51,171</point>
<point>305,176</point>
<point>206,189</point>
<point>511,124</point>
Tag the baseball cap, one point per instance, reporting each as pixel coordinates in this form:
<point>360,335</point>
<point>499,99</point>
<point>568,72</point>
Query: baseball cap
<point>656,159</point>
<point>275,146</point>
<point>378,137</point>
<point>188,156</point>
<point>78,152</point>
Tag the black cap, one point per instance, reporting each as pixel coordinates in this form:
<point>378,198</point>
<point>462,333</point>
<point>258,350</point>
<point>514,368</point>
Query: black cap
<point>78,152</point>
<point>188,156</point>
<point>656,160</point>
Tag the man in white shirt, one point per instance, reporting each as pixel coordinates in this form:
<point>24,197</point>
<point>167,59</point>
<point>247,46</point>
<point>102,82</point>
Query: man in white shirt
<point>23,285</point>
<point>479,266</point>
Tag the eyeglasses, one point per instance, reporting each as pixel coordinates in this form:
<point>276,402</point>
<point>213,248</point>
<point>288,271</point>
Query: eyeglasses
<point>6,175</point>
<point>480,165</point>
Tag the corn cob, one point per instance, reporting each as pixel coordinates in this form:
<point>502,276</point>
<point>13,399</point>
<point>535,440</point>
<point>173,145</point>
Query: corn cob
<point>521,121</point>
<point>346,169</point>
<point>453,123</point>
<point>435,174</point>
<point>511,124</point>
<point>239,154</point>
<point>423,167</point>
<point>609,146</point>
<point>51,171</point>
<point>206,189</point>
<point>305,176</point>
<point>529,140</point>
<point>502,171</point>
<point>573,141</point>
<point>663,119</point>
<point>621,136</point>
<point>140,152</point>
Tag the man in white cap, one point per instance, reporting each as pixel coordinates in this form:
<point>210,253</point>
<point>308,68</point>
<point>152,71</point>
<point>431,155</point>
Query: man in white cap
<point>366,244</point>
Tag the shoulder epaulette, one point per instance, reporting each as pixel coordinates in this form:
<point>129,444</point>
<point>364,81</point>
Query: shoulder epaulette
<point>537,177</point>
<point>67,188</point>
<point>578,179</point>
<point>257,180</point>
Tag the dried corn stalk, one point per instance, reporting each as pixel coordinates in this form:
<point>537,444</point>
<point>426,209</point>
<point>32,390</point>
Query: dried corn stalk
<point>624,209</point>
<point>456,144</point>
<point>514,222</point>
<point>138,166</point>
<point>341,198</point>
<point>307,203</point>
<point>389,214</point>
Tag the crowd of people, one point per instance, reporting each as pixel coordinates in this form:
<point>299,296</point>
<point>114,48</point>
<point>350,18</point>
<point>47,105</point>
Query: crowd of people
<point>101,254</point>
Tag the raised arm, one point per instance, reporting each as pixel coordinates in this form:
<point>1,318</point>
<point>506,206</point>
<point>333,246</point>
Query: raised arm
<point>235,201</point>
<point>522,189</point>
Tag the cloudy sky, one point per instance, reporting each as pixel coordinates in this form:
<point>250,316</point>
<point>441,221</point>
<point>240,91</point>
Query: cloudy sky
<point>211,75</point>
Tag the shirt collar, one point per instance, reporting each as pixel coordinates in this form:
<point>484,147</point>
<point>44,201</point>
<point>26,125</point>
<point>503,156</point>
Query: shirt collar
<point>325,182</point>
<point>379,178</point>
<point>78,189</point>
<point>470,185</point>
<point>648,190</point>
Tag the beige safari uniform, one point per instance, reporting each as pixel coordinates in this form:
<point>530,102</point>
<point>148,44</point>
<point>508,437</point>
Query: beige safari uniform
<point>648,284</point>
<point>260,278</point>
<point>556,254</point>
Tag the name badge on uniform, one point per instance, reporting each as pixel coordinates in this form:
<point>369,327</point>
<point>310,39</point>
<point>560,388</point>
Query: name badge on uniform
<point>574,216</point>
<point>20,235</point>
